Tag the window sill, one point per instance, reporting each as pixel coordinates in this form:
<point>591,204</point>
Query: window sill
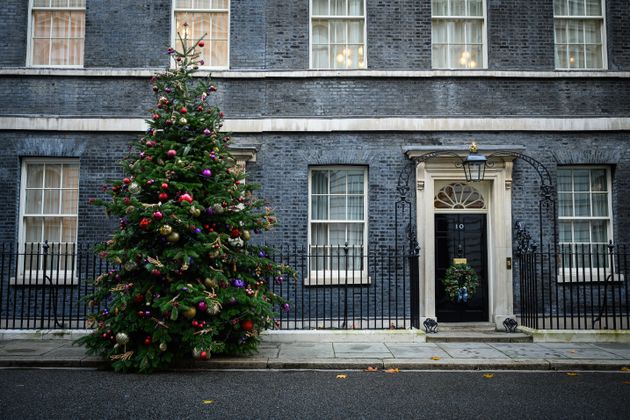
<point>588,276</point>
<point>36,279</point>
<point>321,278</point>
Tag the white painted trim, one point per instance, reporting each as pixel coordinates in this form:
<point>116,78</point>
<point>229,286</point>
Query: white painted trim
<point>56,123</point>
<point>306,74</point>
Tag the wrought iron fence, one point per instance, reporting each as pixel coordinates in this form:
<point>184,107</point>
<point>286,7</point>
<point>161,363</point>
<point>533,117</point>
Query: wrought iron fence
<point>579,287</point>
<point>344,287</point>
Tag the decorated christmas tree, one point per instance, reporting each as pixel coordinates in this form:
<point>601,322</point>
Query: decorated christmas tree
<point>187,281</point>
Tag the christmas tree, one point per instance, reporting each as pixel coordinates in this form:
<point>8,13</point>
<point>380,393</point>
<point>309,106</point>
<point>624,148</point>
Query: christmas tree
<point>188,282</point>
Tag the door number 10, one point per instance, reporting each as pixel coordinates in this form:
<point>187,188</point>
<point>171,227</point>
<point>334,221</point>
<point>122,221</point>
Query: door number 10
<point>459,226</point>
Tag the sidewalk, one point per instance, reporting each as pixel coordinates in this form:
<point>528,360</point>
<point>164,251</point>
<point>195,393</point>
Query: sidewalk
<point>342,354</point>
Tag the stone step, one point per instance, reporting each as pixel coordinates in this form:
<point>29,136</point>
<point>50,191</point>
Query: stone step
<point>477,337</point>
<point>467,326</point>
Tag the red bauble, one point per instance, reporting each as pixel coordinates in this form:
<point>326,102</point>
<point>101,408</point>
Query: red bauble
<point>201,44</point>
<point>138,298</point>
<point>141,314</point>
<point>156,272</point>
<point>156,117</point>
<point>147,341</point>
<point>247,325</point>
<point>144,223</point>
<point>163,197</point>
<point>199,108</point>
<point>158,215</point>
<point>183,110</point>
<point>164,186</point>
<point>235,233</point>
<point>204,355</point>
<point>171,153</point>
<point>126,181</point>
<point>186,197</point>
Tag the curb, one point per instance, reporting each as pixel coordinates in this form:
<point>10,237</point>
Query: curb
<point>336,364</point>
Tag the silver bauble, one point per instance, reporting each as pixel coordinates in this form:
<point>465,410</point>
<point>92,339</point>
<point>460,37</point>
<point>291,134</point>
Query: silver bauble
<point>122,338</point>
<point>134,188</point>
<point>213,309</point>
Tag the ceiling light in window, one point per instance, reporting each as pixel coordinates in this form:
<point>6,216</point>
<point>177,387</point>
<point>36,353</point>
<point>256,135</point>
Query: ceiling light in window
<point>340,58</point>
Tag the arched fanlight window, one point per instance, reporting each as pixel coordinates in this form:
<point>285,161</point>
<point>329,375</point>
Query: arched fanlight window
<point>458,195</point>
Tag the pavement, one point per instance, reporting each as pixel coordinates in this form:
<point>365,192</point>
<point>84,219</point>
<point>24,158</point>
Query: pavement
<point>342,353</point>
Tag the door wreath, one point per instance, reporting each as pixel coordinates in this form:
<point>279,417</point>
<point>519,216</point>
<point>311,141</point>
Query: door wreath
<point>460,282</point>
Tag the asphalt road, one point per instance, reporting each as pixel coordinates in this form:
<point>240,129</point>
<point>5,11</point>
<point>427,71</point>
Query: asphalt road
<point>90,394</point>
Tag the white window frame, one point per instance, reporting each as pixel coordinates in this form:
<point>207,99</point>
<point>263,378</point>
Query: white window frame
<point>336,17</point>
<point>175,40</point>
<point>340,277</point>
<point>484,36</point>
<point>587,274</point>
<point>29,40</point>
<point>36,276</point>
<point>601,18</point>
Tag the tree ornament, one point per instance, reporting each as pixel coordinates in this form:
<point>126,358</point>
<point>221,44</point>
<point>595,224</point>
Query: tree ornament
<point>247,325</point>
<point>209,283</point>
<point>202,306</point>
<point>134,188</point>
<point>196,353</point>
<point>166,230</point>
<point>201,44</point>
<point>163,347</point>
<point>171,153</point>
<point>147,341</point>
<point>164,186</point>
<point>183,110</point>
<point>206,173</point>
<point>190,312</point>
<point>157,215</point>
<point>126,181</point>
<point>194,211</point>
<point>163,197</point>
<point>183,121</point>
<point>214,309</point>
<point>246,235</point>
<point>122,338</point>
<point>204,355</point>
<point>145,223</point>
<point>173,237</point>
<point>186,197</point>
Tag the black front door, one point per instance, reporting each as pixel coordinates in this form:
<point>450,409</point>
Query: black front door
<point>461,236</point>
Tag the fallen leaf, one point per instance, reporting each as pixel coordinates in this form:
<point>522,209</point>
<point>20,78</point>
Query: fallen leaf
<point>392,370</point>
<point>572,374</point>
<point>208,401</point>
<point>625,369</point>
<point>488,375</point>
<point>436,358</point>
<point>371,369</point>
<point>572,351</point>
<point>342,376</point>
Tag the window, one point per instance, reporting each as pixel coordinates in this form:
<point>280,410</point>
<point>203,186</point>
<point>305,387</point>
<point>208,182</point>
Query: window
<point>584,210</point>
<point>57,33</point>
<point>579,34</point>
<point>338,34</point>
<point>49,209</point>
<point>337,225</point>
<point>458,34</point>
<point>209,19</point>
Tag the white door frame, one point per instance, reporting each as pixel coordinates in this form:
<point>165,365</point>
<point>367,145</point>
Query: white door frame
<point>498,180</point>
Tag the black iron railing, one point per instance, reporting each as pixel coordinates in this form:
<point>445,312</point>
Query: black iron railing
<point>580,287</point>
<point>341,287</point>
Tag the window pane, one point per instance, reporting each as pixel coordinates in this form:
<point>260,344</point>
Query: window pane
<point>561,31</point>
<point>458,8</point>
<point>41,3</point>
<point>581,180</point>
<point>59,3</point>
<point>319,234</point>
<point>475,57</point>
<point>576,56</point>
<point>53,176</point>
<point>338,7</point>
<point>564,180</point>
<point>70,202</point>
<point>337,232</point>
<point>581,231</point>
<point>337,182</point>
<point>355,7</point>
<point>574,31</point>
<point>592,31</point>
<point>439,55</point>
<point>598,180</point>
<point>355,234</point>
<point>319,207</point>
<point>576,7</point>
<point>355,32</point>
<point>320,57</point>
<point>593,8</point>
<point>33,229</point>
<point>71,176</point>
<point>41,24</point>
<point>474,32</point>
<point>439,7</point>
<point>565,205</point>
<point>338,32</point>
<point>456,32</point>
<point>219,54</point>
<point>475,8</point>
<point>320,7</point>
<point>319,182</point>
<point>69,229</point>
<point>582,204</point>
<point>204,4</point>
<point>34,176</point>
<point>560,7</point>
<point>439,31</point>
<point>51,201</point>
<point>562,61</point>
<point>184,4</point>
<point>593,59</point>
<point>355,182</point>
<point>338,208</point>
<point>600,204</point>
<point>52,230</point>
<point>355,207</point>
<point>33,202</point>
<point>320,33</point>
<point>565,232</point>
<point>599,231</point>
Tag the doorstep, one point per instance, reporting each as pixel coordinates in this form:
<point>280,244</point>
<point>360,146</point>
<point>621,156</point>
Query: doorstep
<point>577,336</point>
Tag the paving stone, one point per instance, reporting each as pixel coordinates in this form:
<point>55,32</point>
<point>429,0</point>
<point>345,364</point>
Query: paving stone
<point>581,351</point>
<point>527,351</point>
<point>622,350</point>
<point>306,350</point>
<point>417,351</point>
<point>472,351</point>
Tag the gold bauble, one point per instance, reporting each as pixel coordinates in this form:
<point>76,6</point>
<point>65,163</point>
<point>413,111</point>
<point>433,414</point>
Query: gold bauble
<point>173,237</point>
<point>130,209</point>
<point>213,309</point>
<point>195,212</point>
<point>190,312</point>
<point>183,120</point>
<point>246,235</point>
<point>166,230</point>
<point>210,283</point>
<point>163,346</point>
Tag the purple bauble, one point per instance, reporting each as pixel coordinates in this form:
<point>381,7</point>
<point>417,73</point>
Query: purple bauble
<point>209,211</point>
<point>202,306</point>
<point>262,254</point>
<point>238,283</point>
<point>207,173</point>
<point>207,132</point>
<point>286,307</point>
<point>197,230</point>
